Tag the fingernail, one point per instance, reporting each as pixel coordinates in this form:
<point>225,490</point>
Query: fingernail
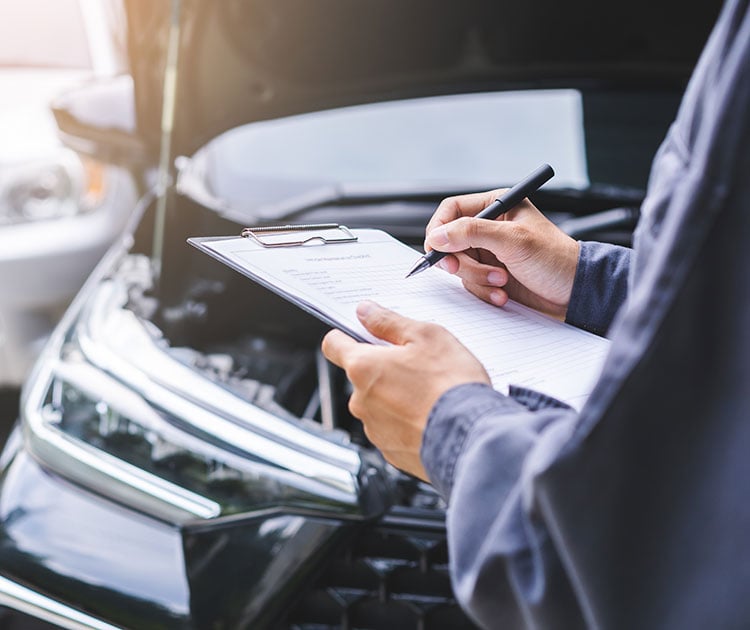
<point>442,264</point>
<point>496,298</point>
<point>439,236</point>
<point>495,277</point>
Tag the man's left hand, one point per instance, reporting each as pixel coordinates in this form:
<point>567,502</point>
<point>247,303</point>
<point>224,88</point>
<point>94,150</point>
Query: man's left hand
<point>396,386</point>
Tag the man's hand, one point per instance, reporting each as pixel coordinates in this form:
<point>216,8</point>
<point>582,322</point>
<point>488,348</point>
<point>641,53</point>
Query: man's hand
<point>521,255</point>
<point>396,386</point>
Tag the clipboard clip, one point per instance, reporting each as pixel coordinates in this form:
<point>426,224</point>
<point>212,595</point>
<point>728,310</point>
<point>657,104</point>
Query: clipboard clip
<point>301,234</point>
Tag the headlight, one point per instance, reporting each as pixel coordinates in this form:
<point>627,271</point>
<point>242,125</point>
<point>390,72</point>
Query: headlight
<point>108,408</point>
<point>49,189</point>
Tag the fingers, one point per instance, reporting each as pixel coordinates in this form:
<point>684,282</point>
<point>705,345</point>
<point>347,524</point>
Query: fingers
<point>506,239</point>
<point>473,271</point>
<point>338,347</point>
<point>488,293</point>
<point>385,324</point>
<point>449,263</point>
<point>342,350</point>
<point>487,282</point>
<point>453,208</point>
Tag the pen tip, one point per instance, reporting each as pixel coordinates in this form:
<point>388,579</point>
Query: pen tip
<point>420,266</point>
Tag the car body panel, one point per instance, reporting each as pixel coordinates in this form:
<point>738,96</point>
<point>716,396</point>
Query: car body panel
<point>77,548</point>
<point>63,542</point>
<point>44,262</point>
<point>237,62</point>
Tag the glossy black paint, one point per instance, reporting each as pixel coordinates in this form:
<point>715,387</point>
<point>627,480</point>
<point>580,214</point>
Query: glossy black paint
<point>9,400</point>
<point>83,550</point>
<point>136,572</point>
<point>244,576</point>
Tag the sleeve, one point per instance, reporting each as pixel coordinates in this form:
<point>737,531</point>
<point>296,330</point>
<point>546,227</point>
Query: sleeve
<point>600,286</point>
<point>477,449</point>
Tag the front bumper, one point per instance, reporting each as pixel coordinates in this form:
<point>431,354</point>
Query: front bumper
<point>78,560</point>
<point>89,556</point>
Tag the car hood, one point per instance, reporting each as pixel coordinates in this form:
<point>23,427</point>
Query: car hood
<point>239,61</point>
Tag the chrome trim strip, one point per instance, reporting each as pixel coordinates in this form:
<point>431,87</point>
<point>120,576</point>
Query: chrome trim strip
<point>91,381</point>
<point>27,601</point>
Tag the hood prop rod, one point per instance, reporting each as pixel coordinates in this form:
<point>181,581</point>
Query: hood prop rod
<point>167,126</point>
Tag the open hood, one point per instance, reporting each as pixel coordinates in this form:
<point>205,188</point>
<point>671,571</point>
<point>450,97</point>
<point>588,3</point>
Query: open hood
<point>239,61</point>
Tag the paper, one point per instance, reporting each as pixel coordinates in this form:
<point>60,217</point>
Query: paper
<point>515,344</point>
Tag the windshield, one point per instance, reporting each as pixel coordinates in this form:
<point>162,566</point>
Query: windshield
<point>43,34</point>
<point>459,142</point>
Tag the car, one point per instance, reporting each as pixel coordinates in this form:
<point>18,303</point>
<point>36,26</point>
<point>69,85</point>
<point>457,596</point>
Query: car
<point>184,455</point>
<point>59,210</point>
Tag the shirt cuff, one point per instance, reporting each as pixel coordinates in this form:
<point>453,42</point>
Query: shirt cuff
<point>600,286</point>
<point>534,400</point>
<point>450,422</point>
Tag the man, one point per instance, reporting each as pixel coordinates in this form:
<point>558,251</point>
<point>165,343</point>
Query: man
<point>632,513</point>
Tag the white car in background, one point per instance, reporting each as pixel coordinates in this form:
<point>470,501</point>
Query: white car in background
<point>59,212</point>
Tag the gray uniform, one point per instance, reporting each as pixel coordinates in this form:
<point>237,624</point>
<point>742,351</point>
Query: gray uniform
<point>635,512</point>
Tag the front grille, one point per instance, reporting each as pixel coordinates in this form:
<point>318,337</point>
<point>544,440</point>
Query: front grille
<point>388,575</point>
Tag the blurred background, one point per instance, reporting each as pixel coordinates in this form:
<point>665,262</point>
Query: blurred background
<point>57,216</point>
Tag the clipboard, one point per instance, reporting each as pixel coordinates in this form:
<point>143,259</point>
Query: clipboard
<point>273,237</point>
<point>326,269</point>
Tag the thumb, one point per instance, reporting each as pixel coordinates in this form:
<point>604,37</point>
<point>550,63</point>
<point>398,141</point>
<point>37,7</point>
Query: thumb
<point>384,323</point>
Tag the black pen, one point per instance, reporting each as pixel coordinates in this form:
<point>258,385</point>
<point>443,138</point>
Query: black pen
<point>511,197</point>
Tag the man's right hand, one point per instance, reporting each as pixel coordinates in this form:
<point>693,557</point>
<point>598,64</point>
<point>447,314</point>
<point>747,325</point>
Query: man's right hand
<point>521,254</point>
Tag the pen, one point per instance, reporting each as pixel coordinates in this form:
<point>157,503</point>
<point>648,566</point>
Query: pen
<point>510,198</point>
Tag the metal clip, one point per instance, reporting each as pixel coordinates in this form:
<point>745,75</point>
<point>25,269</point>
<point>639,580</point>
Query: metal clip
<point>302,234</point>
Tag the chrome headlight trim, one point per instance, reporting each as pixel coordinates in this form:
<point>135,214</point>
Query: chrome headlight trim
<point>76,460</point>
<point>104,349</point>
<point>115,340</point>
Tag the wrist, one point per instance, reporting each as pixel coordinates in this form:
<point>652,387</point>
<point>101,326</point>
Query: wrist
<point>568,273</point>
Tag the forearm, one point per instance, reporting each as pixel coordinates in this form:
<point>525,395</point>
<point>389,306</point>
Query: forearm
<point>600,286</point>
<point>480,450</point>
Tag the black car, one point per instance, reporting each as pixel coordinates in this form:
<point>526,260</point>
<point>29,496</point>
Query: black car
<point>184,455</point>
